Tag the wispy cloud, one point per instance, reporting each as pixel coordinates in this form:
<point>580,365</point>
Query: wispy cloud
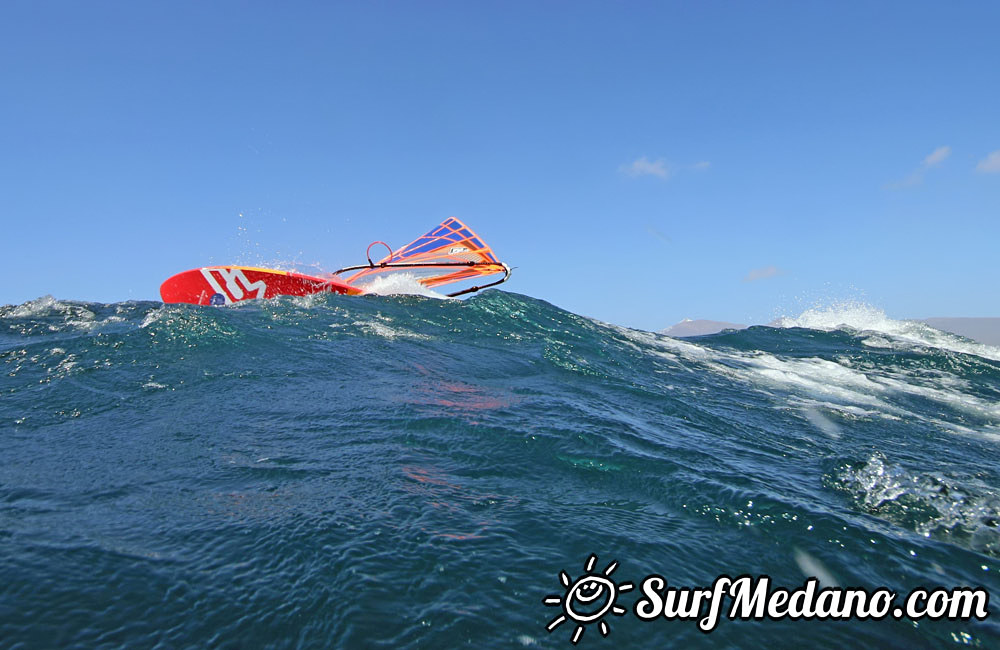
<point>645,167</point>
<point>656,232</point>
<point>659,167</point>
<point>937,156</point>
<point>762,273</point>
<point>931,160</point>
<point>990,164</point>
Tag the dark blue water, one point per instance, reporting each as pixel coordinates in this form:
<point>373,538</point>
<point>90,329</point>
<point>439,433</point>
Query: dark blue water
<point>410,472</point>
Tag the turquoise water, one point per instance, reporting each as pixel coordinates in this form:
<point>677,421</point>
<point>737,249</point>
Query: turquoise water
<point>411,472</point>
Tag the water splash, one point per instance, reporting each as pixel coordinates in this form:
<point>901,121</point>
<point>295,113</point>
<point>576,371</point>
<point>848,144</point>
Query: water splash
<point>889,333</point>
<point>402,284</point>
<point>960,509</point>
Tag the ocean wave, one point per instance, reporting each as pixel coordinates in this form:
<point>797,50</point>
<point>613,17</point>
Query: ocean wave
<point>261,452</point>
<point>885,332</point>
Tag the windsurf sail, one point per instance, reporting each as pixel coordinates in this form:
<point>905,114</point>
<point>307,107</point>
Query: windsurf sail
<point>449,253</point>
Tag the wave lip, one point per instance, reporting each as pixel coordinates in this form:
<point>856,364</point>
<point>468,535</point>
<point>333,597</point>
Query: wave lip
<point>861,317</point>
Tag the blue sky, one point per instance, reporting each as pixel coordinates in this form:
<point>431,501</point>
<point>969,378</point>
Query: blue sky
<point>637,162</point>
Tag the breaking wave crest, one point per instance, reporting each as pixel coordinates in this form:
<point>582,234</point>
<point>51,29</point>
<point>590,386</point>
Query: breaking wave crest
<point>884,332</point>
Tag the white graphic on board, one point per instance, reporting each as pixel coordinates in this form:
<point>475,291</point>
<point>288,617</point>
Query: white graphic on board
<point>236,284</point>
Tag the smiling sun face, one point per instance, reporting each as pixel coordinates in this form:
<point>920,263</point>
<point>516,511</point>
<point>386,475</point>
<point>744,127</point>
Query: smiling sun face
<point>587,599</point>
<point>584,601</point>
<point>589,590</point>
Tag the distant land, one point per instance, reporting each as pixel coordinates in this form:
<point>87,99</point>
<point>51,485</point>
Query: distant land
<point>984,330</point>
<point>688,327</point>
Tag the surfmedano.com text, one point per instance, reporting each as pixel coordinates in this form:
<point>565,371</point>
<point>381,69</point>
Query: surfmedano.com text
<point>753,598</point>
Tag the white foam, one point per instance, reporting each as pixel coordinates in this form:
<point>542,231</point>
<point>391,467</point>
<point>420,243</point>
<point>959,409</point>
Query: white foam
<point>74,314</point>
<point>48,304</point>
<point>673,348</point>
<point>379,327</point>
<point>400,284</point>
<point>817,376</point>
<point>889,332</point>
<point>154,316</point>
<point>844,411</point>
<point>830,383</point>
<point>988,433</point>
<point>955,398</point>
<point>842,386</point>
<point>817,383</point>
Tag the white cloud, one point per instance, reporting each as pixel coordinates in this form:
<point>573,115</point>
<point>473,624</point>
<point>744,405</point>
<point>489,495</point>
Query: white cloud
<point>660,168</point>
<point>762,273</point>
<point>645,167</point>
<point>914,179</point>
<point>990,164</point>
<point>937,156</point>
<point>933,159</point>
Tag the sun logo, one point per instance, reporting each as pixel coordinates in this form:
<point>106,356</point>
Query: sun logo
<point>587,599</point>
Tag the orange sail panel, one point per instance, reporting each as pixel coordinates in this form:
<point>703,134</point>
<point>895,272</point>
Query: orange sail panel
<point>449,253</point>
